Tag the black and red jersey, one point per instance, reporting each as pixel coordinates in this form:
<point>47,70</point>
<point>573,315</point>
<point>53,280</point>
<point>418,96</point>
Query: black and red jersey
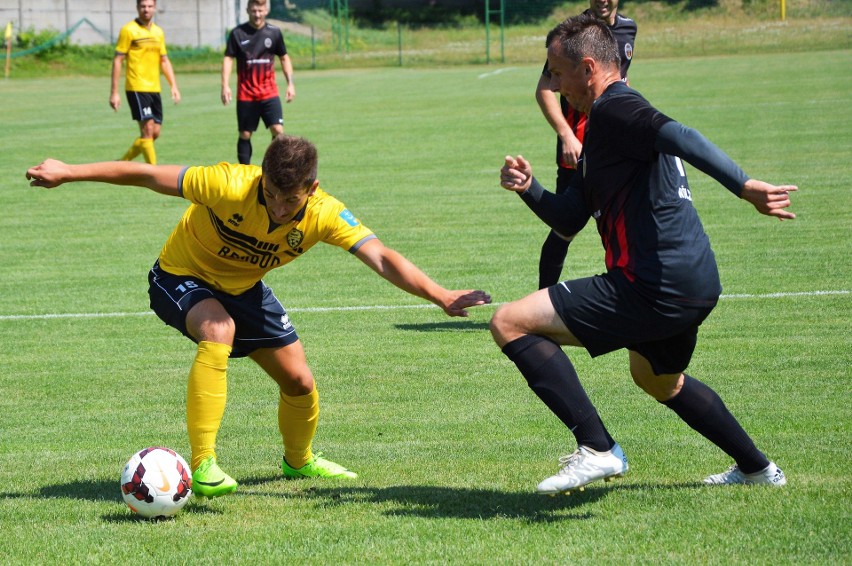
<point>255,51</point>
<point>624,30</point>
<point>641,202</point>
<point>639,197</point>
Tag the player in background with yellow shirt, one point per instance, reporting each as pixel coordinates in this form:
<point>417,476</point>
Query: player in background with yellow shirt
<point>243,221</point>
<point>143,44</point>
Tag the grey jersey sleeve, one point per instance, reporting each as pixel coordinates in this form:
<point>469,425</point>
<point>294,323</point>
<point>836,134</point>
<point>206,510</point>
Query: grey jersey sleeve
<point>690,145</point>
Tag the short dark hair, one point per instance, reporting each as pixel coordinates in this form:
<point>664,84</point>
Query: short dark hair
<point>584,36</point>
<point>290,163</point>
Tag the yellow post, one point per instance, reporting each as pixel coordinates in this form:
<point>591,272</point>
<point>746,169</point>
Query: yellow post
<point>8,47</point>
<point>783,10</point>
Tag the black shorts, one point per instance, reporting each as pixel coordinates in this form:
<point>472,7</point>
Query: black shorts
<point>250,113</point>
<point>260,319</point>
<point>145,106</point>
<point>607,313</point>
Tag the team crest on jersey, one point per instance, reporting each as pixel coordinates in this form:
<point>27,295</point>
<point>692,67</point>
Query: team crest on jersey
<point>267,43</point>
<point>628,51</point>
<point>294,238</point>
<point>285,322</point>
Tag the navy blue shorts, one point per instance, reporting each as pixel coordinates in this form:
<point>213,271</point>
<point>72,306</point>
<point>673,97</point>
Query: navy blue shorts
<point>260,319</point>
<point>145,106</point>
<point>249,113</point>
<point>607,313</point>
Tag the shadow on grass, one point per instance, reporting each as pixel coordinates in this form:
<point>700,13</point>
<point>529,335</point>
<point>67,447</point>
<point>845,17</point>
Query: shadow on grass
<point>400,500</point>
<point>447,326</point>
<point>91,490</point>
<point>193,507</point>
<point>107,491</point>
<point>457,503</point>
<point>465,503</point>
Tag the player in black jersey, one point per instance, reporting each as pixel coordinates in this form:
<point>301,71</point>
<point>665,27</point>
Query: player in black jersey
<point>570,127</point>
<point>661,279</point>
<point>254,45</point>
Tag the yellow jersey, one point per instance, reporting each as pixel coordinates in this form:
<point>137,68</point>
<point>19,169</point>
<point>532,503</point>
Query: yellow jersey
<point>224,237</point>
<point>144,49</point>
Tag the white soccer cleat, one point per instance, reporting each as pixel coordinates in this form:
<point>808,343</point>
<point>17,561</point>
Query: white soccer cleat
<point>583,467</point>
<point>771,475</point>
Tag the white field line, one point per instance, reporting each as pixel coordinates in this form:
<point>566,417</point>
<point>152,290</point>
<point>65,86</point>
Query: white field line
<point>390,307</point>
<point>495,72</point>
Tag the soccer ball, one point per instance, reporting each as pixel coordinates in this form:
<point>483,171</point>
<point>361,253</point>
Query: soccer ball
<point>156,483</point>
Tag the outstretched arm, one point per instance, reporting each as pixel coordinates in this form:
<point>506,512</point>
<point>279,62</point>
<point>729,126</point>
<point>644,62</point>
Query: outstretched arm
<point>394,267</point>
<point>163,179</point>
<point>674,138</point>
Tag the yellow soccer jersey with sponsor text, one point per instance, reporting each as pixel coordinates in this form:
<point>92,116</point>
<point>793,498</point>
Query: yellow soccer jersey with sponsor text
<point>144,48</point>
<point>224,239</point>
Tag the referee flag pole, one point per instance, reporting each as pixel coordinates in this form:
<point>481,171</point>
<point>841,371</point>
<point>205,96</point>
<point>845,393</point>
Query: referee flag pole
<point>8,47</point>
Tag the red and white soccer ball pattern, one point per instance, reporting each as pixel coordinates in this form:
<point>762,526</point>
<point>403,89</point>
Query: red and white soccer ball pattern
<point>156,483</point>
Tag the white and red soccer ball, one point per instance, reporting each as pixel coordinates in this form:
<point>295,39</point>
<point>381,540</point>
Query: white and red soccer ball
<point>156,483</point>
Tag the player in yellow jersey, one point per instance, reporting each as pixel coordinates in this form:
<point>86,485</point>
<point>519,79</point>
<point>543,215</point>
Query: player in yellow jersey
<point>143,44</point>
<point>243,221</point>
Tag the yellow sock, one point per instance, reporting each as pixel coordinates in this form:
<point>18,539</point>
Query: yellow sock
<point>297,421</point>
<point>135,149</point>
<point>148,151</point>
<point>205,399</point>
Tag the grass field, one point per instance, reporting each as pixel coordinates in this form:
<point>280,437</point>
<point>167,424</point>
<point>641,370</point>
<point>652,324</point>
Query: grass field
<point>667,29</point>
<point>447,439</point>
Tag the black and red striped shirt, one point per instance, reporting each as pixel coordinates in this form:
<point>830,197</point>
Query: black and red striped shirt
<point>640,199</point>
<point>255,51</point>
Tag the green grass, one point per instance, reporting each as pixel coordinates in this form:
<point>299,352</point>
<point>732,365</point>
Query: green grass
<point>666,29</point>
<point>446,437</point>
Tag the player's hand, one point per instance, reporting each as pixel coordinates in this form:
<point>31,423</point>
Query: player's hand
<point>50,173</point>
<point>516,174</point>
<point>226,94</point>
<point>571,149</point>
<point>461,300</point>
<point>114,102</point>
<point>291,92</point>
<point>770,200</point>
<point>176,95</point>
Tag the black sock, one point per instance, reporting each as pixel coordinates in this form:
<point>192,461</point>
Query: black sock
<point>702,409</point>
<point>552,260</point>
<point>244,151</point>
<point>550,374</point>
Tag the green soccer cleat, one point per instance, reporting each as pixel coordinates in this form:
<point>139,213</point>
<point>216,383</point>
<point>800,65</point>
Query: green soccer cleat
<point>317,468</point>
<point>210,481</point>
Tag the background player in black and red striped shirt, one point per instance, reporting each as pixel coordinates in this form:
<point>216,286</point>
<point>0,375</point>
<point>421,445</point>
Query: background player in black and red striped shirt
<point>661,279</point>
<point>255,45</point>
<point>570,126</point>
